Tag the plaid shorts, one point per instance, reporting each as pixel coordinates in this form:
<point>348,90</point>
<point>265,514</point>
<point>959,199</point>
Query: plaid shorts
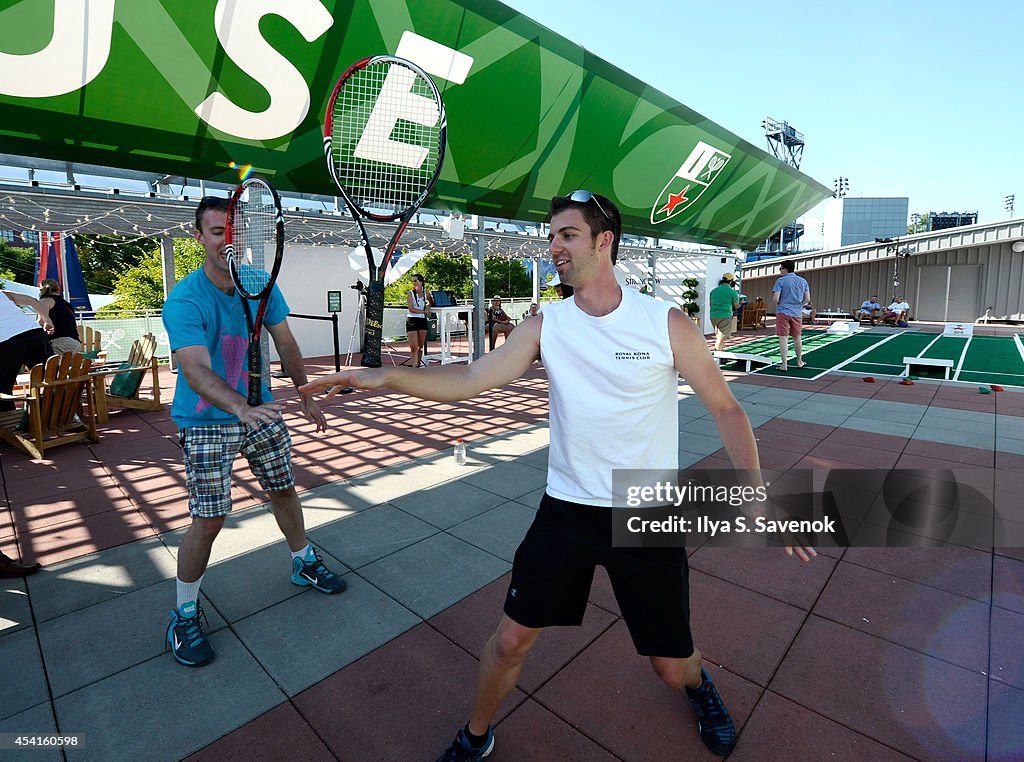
<point>210,453</point>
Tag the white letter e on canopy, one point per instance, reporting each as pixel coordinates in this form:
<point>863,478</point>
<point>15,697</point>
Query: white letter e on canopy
<point>237,23</point>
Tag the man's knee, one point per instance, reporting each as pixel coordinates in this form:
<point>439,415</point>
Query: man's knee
<point>206,529</point>
<point>676,673</point>
<point>512,641</point>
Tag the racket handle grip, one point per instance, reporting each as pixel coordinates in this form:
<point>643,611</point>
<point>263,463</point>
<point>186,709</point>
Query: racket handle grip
<point>255,374</point>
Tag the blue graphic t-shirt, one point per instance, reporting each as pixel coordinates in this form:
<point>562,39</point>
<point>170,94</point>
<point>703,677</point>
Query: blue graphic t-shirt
<point>197,313</point>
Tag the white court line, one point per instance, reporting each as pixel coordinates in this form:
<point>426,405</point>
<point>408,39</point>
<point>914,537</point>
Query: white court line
<point>960,363</point>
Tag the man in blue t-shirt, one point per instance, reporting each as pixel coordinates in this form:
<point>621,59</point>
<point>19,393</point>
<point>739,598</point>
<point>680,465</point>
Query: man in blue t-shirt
<point>790,293</point>
<point>208,334</point>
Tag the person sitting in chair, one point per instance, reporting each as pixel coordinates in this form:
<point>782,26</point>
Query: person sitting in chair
<point>532,312</point>
<point>897,312</point>
<point>498,321</point>
<point>810,314</point>
<point>869,310</point>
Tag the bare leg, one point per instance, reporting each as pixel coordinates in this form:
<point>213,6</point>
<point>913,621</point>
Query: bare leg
<point>784,351</point>
<point>422,336</point>
<point>414,348</point>
<point>676,673</point>
<point>194,552</point>
<point>500,664</point>
<point>288,513</point>
<point>798,348</point>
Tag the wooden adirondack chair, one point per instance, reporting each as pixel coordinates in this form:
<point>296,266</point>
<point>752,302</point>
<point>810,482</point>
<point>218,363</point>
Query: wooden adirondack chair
<point>92,343</point>
<point>126,380</point>
<point>753,315</point>
<point>54,398</point>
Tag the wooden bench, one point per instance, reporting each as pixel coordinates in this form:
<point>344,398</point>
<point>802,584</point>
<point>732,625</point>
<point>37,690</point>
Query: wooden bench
<point>749,359</point>
<point>928,362</point>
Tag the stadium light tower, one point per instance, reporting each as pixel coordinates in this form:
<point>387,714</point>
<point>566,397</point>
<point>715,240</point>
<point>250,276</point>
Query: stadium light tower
<point>841,186</point>
<point>787,145</point>
<point>1008,202</point>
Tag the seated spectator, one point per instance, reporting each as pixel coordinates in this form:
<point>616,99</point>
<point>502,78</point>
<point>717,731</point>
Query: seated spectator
<point>532,312</point>
<point>810,314</point>
<point>897,312</point>
<point>869,310</point>
<point>65,332</point>
<point>498,321</point>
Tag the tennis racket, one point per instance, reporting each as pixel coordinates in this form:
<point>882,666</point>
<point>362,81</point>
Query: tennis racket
<point>254,245</point>
<point>384,142</point>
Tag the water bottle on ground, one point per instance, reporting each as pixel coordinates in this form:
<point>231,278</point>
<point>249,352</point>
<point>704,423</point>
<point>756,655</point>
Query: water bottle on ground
<point>460,452</point>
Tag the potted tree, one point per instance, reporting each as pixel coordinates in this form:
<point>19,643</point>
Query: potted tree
<point>690,296</point>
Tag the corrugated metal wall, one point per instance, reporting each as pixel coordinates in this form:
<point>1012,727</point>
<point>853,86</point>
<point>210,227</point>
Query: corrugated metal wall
<point>1001,280</point>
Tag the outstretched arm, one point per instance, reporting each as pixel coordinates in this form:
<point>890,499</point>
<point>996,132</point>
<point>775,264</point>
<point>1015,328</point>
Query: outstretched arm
<point>695,364</point>
<point>445,383</point>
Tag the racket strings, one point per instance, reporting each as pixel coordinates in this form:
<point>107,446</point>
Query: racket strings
<point>386,137</point>
<point>254,239</point>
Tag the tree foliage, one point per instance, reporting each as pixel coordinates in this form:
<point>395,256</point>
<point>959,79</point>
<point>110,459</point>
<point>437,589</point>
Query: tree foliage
<point>105,257</point>
<point>507,277</point>
<point>141,287</point>
<point>18,263</point>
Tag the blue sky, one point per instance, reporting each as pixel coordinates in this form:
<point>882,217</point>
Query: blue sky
<point>905,97</point>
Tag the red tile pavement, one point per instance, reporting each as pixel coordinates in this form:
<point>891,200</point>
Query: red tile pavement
<point>781,729</point>
<point>281,733</point>
<point>866,653</point>
<point>919,705</point>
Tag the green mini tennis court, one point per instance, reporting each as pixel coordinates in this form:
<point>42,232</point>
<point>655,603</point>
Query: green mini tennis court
<point>975,359</point>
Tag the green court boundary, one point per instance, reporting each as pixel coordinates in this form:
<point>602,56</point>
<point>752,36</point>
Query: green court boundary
<point>983,360</point>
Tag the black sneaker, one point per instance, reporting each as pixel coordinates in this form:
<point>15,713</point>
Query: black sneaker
<point>311,571</point>
<point>713,721</point>
<point>185,636</point>
<point>462,751</point>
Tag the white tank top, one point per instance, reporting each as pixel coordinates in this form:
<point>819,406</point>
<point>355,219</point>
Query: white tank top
<point>613,395</point>
<point>12,320</point>
<point>419,302</point>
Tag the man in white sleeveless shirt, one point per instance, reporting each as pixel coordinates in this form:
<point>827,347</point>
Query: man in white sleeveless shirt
<point>613,358</point>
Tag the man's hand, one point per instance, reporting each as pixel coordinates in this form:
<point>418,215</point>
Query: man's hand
<point>252,417</point>
<point>804,554</point>
<point>312,411</point>
<point>367,378</point>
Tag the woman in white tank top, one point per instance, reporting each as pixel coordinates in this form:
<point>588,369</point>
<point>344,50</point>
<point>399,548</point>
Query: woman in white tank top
<point>419,302</point>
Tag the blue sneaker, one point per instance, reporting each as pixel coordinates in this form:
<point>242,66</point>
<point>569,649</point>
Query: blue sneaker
<point>185,636</point>
<point>312,572</point>
<point>713,721</point>
<point>462,751</point>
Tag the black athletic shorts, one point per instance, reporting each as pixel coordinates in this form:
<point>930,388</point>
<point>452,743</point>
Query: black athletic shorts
<point>554,568</point>
<point>416,324</point>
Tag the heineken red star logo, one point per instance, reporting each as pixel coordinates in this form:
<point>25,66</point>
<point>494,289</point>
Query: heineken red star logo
<point>701,168</point>
<point>674,200</point>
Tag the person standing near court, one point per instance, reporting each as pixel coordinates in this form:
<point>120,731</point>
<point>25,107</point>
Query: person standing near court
<point>789,294</point>
<point>722,303</point>
<point>207,331</point>
<point>419,305</point>
<point>22,341</point>
<point>613,359</point>
<point>65,336</point>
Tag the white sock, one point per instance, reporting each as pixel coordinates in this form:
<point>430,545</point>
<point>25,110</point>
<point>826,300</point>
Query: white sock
<point>188,591</point>
<point>301,554</point>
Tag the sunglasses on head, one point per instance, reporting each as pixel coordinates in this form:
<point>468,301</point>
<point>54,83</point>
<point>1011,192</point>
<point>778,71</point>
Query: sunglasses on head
<point>583,196</point>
